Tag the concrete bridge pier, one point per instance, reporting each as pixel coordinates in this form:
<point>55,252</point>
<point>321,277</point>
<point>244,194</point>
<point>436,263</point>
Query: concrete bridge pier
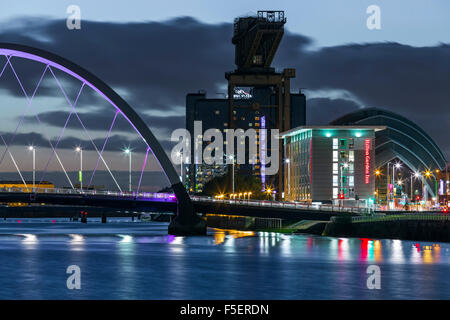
<point>187,222</point>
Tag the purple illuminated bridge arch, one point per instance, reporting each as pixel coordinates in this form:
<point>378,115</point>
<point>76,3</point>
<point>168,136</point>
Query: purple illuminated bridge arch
<point>186,222</point>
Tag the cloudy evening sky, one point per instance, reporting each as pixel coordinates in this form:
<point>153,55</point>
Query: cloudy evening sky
<point>154,52</point>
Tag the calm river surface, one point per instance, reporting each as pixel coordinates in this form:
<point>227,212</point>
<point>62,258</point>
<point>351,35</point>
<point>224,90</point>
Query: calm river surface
<point>137,260</point>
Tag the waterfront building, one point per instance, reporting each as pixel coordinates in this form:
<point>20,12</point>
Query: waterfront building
<point>258,97</point>
<point>25,187</point>
<point>329,163</point>
<point>408,146</point>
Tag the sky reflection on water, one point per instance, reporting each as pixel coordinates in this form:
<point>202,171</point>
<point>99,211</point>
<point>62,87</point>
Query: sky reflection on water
<point>126,260</point>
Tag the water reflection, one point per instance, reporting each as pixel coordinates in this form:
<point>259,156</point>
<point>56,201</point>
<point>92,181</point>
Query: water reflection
<point>129,262</point>
<point>176,244</point>
<point>76,242</point>
<point>397,254</point>
<point>29,240</point>
<point>221,234</point>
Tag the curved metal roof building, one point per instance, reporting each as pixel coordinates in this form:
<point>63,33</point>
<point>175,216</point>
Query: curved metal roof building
<point>402,139</point>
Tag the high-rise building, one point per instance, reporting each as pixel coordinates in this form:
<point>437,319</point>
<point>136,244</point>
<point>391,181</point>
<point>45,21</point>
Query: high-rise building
<point>258,97</point>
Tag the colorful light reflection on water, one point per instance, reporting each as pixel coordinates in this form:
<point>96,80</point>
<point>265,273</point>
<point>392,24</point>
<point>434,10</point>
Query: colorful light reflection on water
<point>124,260</point>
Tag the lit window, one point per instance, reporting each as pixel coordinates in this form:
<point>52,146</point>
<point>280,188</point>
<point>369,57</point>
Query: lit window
<point>335,181</point>
<point>217,112</point>
<point>335,156</point>
<point>351,181</point>
<point>335,167</point>
<point>335,193</point>
<point>335,143</point>
<point>351,157</point>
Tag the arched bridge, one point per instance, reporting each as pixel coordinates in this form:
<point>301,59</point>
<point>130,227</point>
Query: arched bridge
<point>187,222</point>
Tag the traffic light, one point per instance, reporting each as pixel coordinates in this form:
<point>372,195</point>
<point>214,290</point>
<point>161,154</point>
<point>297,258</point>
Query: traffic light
<point>417,198</point>
<point>444,210</point>
<point>341,196</point>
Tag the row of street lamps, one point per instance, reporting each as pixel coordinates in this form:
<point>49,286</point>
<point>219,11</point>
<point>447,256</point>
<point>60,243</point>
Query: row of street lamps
<point>416,175</point>
<point>241,195</point>
<point>80,151</point>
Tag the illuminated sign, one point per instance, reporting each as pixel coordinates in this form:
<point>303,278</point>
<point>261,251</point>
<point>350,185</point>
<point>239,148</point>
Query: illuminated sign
<point>367,161</point>
<point>241,94</point>
<point>262,139</point>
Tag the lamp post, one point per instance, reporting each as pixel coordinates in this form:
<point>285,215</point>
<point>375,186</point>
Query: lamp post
<point>80,177</point>
<point>396,166</point>
<point>428,174</point>
<point>377,174</point>
<point>415,175</point>
<point>289,177</point>
<point>231,157</point>
<point>33,150</point>
<point>436,185</point>
<point>128,152</point>
<point>387,184</point>
<point>180,155</point>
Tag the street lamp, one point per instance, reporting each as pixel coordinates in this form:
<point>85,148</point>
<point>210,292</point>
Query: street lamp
<point>387,184</point>
<point>395,166</point>
<point>128,152</point>
<point>33,149</point>
<point>289,177</point>
<point>180,155</point>
<point>80,176</point>
<point>231,157</point>
<point>377,174</point>
<point>415,175</point>
<point>428,174</point>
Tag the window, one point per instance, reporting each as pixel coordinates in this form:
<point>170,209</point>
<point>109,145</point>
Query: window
<point>343,143</point>
<point>335,143</point>
<point>335,193</point>
<point>351,143</point>
<point>343,155</point>
<point>351,181</point>
<point>335,181</point>
<point>335,168</point>
<point>335,156</point>
<point>217,111</point>
<point>352,156</point>
<point>351,168</point>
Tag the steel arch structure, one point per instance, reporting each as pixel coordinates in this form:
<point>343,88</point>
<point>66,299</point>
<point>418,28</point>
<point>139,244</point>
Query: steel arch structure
<point>186,222</point>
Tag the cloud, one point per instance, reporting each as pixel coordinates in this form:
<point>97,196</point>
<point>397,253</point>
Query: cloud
<point>154,65</point>
<point>101,120</point>
<point>115,142</point>
<point>321,111</point>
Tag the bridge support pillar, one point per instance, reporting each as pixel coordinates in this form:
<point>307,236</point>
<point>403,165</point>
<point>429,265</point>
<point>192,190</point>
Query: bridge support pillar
<point>187,222</point>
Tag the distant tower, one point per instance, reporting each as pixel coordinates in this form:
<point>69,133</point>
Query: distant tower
<point>258,98</point>
<point>256,41</point>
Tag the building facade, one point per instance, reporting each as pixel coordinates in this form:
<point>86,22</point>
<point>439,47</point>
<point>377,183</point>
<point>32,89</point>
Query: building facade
<point>258,98</point>
<point>253,109</point>
<point>329,163</point>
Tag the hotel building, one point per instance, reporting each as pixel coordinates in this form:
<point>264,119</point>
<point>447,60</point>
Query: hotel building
<point>329,163</point>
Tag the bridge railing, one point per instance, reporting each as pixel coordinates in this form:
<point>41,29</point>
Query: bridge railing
<point>398,217</point>
<point>282,204</point>
<point>134,195</point>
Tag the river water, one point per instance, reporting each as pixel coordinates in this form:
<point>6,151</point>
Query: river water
<point>138,260</point>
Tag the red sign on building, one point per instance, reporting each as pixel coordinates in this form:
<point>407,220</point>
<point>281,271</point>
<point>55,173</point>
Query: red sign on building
<point>367,160</point>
